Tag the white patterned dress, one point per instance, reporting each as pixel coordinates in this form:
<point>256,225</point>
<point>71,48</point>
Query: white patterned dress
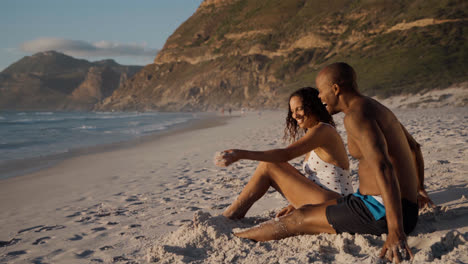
<point>327,176</point>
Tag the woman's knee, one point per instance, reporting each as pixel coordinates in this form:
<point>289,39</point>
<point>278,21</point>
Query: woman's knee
<point>265,166</point>
<point>269,166</point>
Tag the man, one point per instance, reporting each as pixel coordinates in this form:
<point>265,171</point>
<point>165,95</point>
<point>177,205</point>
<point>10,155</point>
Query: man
<point>391,174</point>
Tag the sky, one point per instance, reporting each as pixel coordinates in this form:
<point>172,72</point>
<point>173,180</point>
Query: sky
<point>130,32</point>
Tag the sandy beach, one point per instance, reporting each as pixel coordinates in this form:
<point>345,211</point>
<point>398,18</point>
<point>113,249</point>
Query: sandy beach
<point>160,200</point>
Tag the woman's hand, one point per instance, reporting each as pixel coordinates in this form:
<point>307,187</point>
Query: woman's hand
<point>424,200</point>
<point>285,211</point>
<point>227,157</point>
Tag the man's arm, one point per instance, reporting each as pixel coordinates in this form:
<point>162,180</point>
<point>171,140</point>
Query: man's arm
<point>418,157</point>
<point>423,197</point>
<point>372,143</point>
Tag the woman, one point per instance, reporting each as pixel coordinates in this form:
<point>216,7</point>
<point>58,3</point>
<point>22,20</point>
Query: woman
<point>325,167</point>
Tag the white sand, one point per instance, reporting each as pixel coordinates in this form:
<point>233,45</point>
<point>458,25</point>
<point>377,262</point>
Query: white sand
<point>159,201</point>
<point>454,96</point>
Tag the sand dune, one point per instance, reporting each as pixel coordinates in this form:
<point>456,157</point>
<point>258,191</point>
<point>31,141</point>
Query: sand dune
<point>454,96</point>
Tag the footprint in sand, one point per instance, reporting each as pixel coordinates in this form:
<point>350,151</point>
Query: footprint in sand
<point>178,222</point>
<point>449,242</point>
<point>39,260</point>
<point>182,178</point>
<point>207,198</point>
<point>166,199</point>
<point>220,206</point>
<point>105,248</point>
<point>98,229</point>
<point>50,228</point>
<point>81,199</point>
<point>41,240</point>
<point>74,214</point>
<point>120,211</point>
<point>132,198</point>
<point>191,208</point>
<point>352,248</point>
<point>16,253</point>
<point>29,229</point>
<point>84,254</point>
<point>120,258</point>
<point>102,214</point>
<point>85,220</point>
<point>9,243</point>
<point>76,238</point>
<point>50,255</point>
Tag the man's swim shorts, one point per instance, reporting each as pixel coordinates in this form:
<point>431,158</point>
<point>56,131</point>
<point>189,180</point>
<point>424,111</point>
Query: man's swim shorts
<point>351,215</point>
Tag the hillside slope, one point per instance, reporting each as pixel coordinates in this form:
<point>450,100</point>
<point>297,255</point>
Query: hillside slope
<point>253,53</point>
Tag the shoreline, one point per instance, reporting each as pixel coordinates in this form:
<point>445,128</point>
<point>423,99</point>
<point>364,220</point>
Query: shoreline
<point>98,176</point>
<point>9,169</point>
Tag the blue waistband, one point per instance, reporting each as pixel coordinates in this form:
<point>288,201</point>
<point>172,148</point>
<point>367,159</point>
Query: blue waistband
<point>375,207</point>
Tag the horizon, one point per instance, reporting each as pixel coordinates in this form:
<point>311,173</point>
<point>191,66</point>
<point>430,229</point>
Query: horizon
<point>31,27</point>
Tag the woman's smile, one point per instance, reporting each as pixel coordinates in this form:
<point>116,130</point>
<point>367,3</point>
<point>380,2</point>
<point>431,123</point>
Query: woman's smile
<point>298,113</point>
<point>300,120</point>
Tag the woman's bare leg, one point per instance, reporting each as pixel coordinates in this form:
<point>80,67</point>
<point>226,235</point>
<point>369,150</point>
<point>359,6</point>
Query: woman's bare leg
<point>286,179</point>
<point>308,219</point>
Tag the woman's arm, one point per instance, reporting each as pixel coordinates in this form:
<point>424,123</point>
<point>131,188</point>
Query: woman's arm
<point>315,137</point>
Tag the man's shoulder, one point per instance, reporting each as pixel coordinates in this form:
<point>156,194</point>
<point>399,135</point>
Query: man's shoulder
<point>359,109</point>
<point>354,119</point>
<point>361,112</point>
<point>365,107</point>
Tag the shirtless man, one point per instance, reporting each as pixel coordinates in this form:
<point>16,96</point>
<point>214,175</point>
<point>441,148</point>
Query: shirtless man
<point>391,174</point>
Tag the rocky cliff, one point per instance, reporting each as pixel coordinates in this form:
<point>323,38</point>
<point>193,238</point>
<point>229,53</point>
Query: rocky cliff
<point>253,53</point>
<point>54,81</point>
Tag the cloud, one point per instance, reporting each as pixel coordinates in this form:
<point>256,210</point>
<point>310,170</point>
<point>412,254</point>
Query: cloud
<point>79,48</point>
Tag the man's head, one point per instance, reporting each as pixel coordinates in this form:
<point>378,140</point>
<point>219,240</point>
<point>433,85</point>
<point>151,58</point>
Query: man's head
<point>333,81</point>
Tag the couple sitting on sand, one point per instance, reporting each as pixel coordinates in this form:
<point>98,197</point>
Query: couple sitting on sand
<point>391,169</point>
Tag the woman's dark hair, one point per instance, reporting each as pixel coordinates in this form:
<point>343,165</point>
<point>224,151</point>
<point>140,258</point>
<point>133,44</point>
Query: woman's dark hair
<point>312,106</point>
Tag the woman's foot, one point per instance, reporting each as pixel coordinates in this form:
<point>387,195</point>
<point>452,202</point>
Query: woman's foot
<point>235,211</point>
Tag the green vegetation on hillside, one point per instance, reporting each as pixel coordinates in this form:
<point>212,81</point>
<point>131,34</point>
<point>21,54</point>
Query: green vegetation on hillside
<point>255,52</point>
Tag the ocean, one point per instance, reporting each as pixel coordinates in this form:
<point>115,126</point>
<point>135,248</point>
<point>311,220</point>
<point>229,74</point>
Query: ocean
<point>31,136</point>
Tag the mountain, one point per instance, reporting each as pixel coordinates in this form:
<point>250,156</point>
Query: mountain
<point>54,81</point>
<point>253,53</point>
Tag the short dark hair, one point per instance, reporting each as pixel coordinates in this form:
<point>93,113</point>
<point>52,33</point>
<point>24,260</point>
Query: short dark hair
<point>342,74</point>
<point>312,106</point>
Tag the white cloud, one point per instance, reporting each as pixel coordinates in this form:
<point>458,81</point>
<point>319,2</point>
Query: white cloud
<point>79,48</point>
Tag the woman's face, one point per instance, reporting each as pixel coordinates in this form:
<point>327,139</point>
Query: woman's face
<point>297,109</point>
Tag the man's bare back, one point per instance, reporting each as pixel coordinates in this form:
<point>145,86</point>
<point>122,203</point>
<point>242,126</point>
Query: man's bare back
<point>399,151</point>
